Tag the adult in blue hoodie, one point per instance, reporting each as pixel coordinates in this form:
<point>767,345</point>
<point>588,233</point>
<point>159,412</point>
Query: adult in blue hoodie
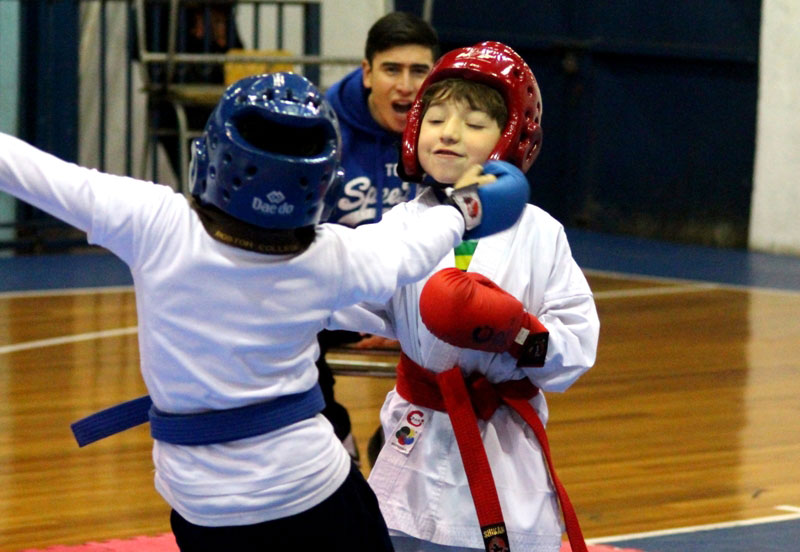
<point>372,102</point>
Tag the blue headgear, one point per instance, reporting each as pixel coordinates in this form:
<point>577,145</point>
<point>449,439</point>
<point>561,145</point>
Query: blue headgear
<point>270,150</point>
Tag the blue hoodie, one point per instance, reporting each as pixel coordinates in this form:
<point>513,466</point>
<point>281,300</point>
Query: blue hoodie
<point>369,157</point>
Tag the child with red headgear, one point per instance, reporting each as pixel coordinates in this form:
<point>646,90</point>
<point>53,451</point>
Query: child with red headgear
<point>466,463</point>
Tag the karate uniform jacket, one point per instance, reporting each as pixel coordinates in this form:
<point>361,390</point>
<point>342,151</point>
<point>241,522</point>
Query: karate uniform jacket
<point>424,492</point>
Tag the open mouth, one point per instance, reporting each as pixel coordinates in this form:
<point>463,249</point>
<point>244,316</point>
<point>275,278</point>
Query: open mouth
<point>401,108</point>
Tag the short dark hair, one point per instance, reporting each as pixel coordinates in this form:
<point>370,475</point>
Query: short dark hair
<point>479,97</point>
<point>399,29</point>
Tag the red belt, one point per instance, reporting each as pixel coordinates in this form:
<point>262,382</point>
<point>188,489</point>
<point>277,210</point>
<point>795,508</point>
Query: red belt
<point>476,398</point>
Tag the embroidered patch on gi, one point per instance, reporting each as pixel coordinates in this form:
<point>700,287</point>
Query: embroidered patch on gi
<point>495,537</point>
<point>408,430</point>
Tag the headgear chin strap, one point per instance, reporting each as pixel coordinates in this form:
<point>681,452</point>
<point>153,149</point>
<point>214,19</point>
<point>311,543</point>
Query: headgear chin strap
<point>493,64</point>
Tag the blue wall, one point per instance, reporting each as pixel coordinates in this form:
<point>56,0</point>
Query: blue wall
<point>48,107</point>
<point>649,108</point>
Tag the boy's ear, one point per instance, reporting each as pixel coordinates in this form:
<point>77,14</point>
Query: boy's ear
<point>366,73</point>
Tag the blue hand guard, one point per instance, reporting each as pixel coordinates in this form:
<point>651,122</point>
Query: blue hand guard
<point>502,201</point>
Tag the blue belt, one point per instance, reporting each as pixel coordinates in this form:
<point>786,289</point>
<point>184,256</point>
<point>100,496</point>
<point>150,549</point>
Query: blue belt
<point>204,428</point>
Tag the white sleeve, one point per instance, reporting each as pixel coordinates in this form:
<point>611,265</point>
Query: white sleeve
<point>418,241</point>
<point>365,317</point>
<point>570,315</point>
<point>112,210</point>
<point>379,258</point>
<point>45,181</point>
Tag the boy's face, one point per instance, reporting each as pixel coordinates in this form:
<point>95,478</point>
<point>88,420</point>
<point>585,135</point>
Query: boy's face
<point>453,137</point>
<point>394,77</point>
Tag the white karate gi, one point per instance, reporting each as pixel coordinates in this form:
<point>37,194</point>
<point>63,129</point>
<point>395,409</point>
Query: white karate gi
<point>221,327</point>
<point>425,494</point>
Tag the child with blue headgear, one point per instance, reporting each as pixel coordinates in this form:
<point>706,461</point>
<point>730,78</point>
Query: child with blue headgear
<point>232,286</point>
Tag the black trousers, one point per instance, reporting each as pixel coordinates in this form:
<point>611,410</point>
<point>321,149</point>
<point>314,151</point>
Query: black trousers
<point>347,521</point>
<point>336,414</point>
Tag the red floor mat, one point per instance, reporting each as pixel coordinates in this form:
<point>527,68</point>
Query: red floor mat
<point>161,543</point>
<point>166,543</point>
<point>600,548</point>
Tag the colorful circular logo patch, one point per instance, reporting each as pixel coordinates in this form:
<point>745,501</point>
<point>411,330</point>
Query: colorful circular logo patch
<point>405,435</point>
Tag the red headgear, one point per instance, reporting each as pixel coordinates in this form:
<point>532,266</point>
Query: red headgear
<point>493,64</point>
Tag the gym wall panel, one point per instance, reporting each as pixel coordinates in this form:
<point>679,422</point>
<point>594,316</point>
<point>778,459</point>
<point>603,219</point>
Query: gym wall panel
<point>775,216</point>
<point>649,109</point>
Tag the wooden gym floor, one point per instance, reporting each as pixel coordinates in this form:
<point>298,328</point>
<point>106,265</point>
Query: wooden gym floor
<point>690,416</point>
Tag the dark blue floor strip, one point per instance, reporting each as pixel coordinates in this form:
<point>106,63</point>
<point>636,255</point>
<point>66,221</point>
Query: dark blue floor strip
<point>41,272</point>
<point>780,536</point>
<point>631,255</point>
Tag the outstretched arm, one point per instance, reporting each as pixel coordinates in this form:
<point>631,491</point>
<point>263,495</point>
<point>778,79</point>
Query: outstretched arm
<point>45,181</point>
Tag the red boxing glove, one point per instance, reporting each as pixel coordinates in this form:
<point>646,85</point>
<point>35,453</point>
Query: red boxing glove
<point>468,310</point>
